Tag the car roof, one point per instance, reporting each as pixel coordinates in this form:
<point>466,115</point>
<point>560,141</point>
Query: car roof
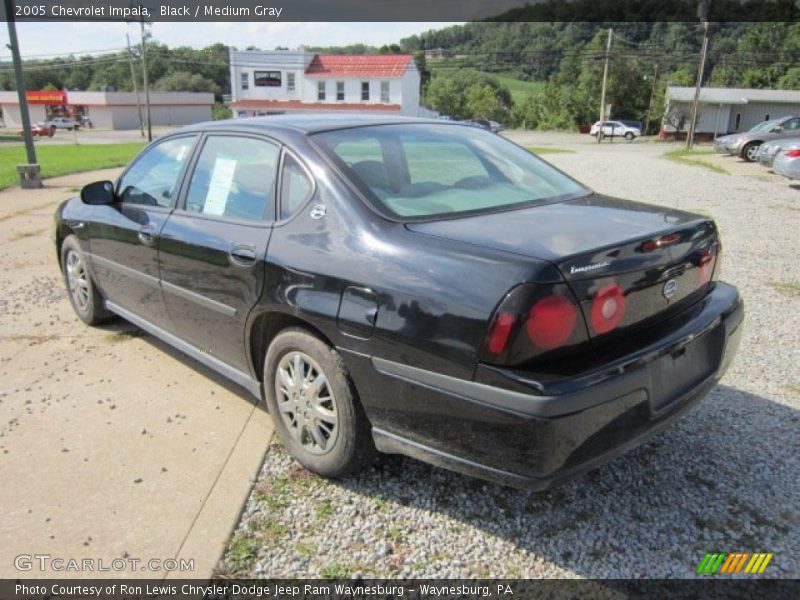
<point>309,123</point>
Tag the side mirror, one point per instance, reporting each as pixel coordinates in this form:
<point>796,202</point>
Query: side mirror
<point>776,129</point>
<point>99,192</point>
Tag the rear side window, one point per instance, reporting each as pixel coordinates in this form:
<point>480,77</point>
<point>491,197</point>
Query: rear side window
<point>153,179</point>
<point>296,187</point>
<point>234,178</point>
<point>426,170</point>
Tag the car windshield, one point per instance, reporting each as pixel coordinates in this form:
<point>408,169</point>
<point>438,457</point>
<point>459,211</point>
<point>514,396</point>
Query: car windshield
<point>420,171</point>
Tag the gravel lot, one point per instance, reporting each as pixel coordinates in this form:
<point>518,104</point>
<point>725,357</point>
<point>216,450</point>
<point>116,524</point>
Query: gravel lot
<point>725,478</point>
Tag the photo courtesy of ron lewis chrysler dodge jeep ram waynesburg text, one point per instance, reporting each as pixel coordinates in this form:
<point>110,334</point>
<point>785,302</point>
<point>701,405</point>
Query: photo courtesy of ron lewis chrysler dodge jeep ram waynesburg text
<point>409,286</point>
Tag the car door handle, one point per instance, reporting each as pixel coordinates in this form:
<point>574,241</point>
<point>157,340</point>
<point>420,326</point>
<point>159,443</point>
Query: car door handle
<point>243,256</point>
<point>147,236</point>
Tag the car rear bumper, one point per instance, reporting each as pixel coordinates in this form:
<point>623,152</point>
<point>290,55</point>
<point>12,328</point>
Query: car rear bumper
<point>534,433</point>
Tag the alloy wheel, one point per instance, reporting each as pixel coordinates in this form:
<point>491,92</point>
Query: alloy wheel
<point>306,403</point>
<point>78,281</point>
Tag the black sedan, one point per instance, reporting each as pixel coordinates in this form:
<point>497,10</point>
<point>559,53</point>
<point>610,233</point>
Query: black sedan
<point>409,286</point>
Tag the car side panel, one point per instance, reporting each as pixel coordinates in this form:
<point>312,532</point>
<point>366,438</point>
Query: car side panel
<point>434,296</point>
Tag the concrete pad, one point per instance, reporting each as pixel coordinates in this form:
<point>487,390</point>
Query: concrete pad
<point>112,444</point>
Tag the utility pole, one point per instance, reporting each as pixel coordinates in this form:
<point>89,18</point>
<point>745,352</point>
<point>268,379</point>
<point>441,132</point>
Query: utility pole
<point>702,13</point>
<point>603,93</point>
<point>652,95</point>
<point>146,86</point>
<point>135,85</point>
<point>30,176</point>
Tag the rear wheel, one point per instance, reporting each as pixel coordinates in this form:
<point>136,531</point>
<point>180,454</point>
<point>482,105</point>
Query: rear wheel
<point>750,151</point>
<point>314,407</point>
<point>86,300</point>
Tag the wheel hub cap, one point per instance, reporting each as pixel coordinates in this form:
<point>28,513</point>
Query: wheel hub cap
<point>77,280</point>
<point>306,403</point>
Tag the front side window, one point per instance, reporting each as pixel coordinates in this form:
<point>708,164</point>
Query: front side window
<point>290,82</point>
<point>153,179</point>
<point>245,81</point>
<point>420,171</point>
<point>384,91</point>
<point>791,124</point>
<point>320,90</point>
<point>340,90</point>
<point>296,187</point>
<point>234,178</point>
<point>267,78</point>
<point>365,90</point>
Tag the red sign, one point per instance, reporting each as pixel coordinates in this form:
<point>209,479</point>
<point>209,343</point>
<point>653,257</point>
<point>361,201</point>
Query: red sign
<point>46,97</point>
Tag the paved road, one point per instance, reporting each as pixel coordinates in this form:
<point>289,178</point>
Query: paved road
<point>111,444</point>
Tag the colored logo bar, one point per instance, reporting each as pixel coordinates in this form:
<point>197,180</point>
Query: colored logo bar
<point>734,562</point>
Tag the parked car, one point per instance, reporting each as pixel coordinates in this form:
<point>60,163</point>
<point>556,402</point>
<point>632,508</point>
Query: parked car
<point>63,123</point>
<point>746,144</point>
<point>615,129</point>
<point>769,150</point>
<point>787,163</point>
<point>39,130</point>
<point>409,286</point>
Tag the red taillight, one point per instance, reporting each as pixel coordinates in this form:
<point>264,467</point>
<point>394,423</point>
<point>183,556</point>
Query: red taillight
<point>498,338</point>
<point>551,322</point>
<point>794,153</point>
<point>607,308</point>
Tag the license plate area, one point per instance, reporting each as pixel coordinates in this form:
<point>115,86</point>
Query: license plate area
<point>676,374</point>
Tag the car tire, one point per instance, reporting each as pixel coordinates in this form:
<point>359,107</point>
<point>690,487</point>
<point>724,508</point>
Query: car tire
<point>83,293</point>
<point>322,426</point>
<point>629,136</point>
<point>750,151</point>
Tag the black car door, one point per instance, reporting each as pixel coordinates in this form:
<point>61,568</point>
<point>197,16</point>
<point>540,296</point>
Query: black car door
<point>124,235</point>
<point>214,244</point>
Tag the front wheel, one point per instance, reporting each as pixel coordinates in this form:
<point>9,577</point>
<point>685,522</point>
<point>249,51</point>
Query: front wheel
<point>750,152</point>
<point>86,300</point>
<point>629,136</point>
<point>314,407</point>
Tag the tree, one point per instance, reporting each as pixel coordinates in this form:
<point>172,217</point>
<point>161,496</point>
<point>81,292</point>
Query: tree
<point>464,95</point>
<point>183,81</point>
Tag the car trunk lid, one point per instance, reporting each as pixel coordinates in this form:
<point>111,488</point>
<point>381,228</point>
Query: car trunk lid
<point>616,255</point>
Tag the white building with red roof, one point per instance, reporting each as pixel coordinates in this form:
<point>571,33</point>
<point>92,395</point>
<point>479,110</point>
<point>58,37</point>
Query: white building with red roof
<point>282,81</point>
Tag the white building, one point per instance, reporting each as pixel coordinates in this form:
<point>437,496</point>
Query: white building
<point>110,110</point>
<point>280,81</point>
<point>726,110</point>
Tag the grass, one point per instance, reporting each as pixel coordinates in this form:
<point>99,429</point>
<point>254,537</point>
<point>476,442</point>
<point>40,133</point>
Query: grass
<point>787,287</point>
<point>65,159</point>
<point>540,150</point>
<point>519,88</point>
<point>21,235</point>
<point>687,156</point>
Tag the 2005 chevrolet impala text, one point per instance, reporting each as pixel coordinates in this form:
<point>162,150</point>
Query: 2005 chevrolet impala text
<point>409,286</point>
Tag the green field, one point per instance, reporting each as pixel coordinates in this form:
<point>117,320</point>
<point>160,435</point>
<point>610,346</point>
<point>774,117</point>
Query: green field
<point>65,159</point>
<point>519,89</point>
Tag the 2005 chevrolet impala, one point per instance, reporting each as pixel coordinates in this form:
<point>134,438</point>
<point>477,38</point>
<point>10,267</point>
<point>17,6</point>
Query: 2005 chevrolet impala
<point>409,286</point>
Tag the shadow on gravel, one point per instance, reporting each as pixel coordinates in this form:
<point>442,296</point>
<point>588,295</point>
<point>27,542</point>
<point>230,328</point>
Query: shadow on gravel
<point>726,478</point>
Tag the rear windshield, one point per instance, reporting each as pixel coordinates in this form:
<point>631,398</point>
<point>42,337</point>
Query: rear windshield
<point>420,171</point>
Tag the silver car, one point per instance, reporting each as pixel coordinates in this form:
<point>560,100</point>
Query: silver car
<point>787,163</point>
<point>746,144</point>
<point>769,150</point>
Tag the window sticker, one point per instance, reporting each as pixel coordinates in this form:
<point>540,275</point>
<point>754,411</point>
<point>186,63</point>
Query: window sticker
<point>220,187</point>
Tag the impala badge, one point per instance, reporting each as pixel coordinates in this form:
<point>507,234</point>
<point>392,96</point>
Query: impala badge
<point>318,211</point>
<point>670,288</point>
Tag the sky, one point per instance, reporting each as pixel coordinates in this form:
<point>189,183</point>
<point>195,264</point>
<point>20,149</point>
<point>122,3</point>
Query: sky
<point>46,39</point>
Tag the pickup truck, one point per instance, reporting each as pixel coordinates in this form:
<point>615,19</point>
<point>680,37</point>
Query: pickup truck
<point>62,123</point>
